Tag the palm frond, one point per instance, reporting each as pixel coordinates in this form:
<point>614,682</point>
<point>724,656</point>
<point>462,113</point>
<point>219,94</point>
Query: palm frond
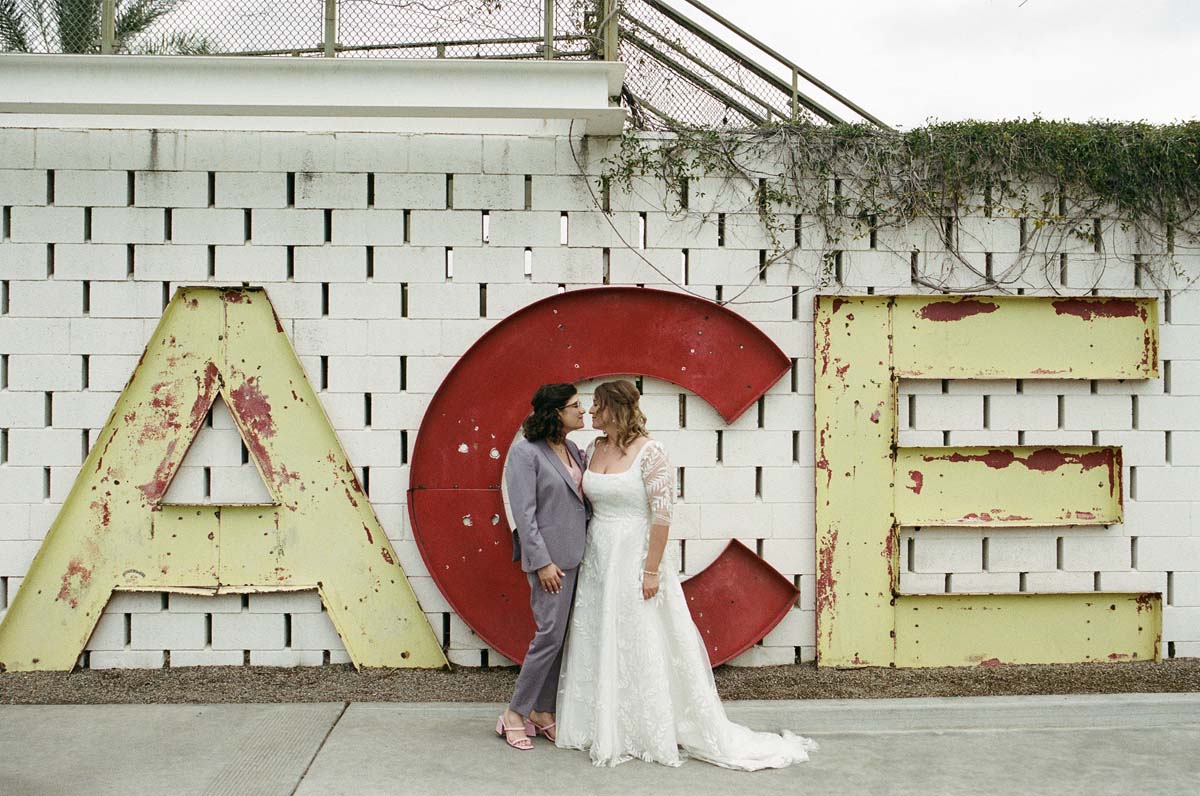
<point>175,44</point>
<point>136,16</point>
<point>14,37</point>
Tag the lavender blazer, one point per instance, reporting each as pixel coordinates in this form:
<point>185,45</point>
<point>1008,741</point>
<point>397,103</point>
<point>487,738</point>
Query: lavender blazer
<point>549,511</point>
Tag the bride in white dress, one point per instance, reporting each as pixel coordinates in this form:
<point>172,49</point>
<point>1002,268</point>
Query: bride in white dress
<point>636,679</point>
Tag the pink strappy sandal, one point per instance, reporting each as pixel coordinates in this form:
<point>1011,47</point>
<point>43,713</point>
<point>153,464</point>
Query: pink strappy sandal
<point>523,744</point>
<point>532,728</point>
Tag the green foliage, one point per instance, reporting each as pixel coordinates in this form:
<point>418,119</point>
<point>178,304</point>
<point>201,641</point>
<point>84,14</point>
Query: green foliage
<point>73,26</point>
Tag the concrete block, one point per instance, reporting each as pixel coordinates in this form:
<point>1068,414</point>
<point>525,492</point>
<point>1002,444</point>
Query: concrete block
<point>248,631</point>
<point>208,225</point>
<point>446,153</point>
<point>254,264</point>
<point>757,447</point>
<point>1090,553</point>
<point>330,263</point>
<point>17,144</point>
<point>331,190</point>
<point>214,150</point>
<point>489,192</point>
<point>23,410</point>
<point>425,374</point>
<point>170,263</point>
<point>400,336</point>
<point>189,657</point>
<point>24,335</point>
<point>1181,623</point>
<point>287,227</point>
<point>366,300</point>
<point>330,336</point>
<point>526,228</point>
<point>128,225</point>
<point>461,334</point>
<point>765,656</point>
<point>449,228</point>
<point>296,299</point>
<point>47,224</point>
<point>1167,483</point>
<point>503,298</point>
<point>948,412</point>
<point>985,583</point>
<point>48,372</point>
<point>314,631</point>
<point>255,189</point>
<point>91,188</point>
<point>148,150</point>
<point>797,628</point>
<point>1022,553</point>
<point>1058,582</point>
<point>558,193</point>
<point>361,374</point>
<point>947,550</point>
<point>761,302</point>
<point>372,227</point>
<point>1186,588</point>
<point>379,152</point>
<point>681,231</point>
<point>600,230</point>
<point>410,191</point>
<point>110,373</point>
<point>1092,412</point>
<point>240,484</point>
<point>875,268</point>
<point>519,154</point>
<point>168,631</point>
<point>1169,554</point>
<point>492,264</point>
<point>109,633</point>
<point>448,300</point>
<point>91,261</point>
<point>170,189</point>
<point>27,187</point>
<point>126,300</point>
<point>1168,412</point>
<point>570,266</point>
<point>287,657</point>
<point>1134,581</point>
<point>655,267</point>
<point>203,604</point>
<point>411,264</point>
<point>1185,377</point>
<point>1139,448</point>
<point>1175,342</point>
<point>126,659</point>
<point>428,595</point>
<point>24,260</point>
<point>58,148</point>
<point>286,602</point>
<point>1023,412</point>
<point>134,602</point>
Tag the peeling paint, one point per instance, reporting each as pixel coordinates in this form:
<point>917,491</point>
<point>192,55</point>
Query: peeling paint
<point>1090,308</point>
<point>950,311</point>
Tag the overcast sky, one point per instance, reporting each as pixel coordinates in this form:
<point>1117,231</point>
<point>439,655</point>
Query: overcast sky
<point>910,60</point>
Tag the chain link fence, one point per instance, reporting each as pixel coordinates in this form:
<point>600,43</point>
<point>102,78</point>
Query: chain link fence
<point>678,72</point>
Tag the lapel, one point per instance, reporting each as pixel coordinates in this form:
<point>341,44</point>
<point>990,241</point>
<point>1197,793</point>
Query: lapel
<point>556,462</point>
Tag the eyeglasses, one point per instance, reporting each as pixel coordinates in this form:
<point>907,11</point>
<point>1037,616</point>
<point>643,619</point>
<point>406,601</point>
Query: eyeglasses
<point>573,405</point>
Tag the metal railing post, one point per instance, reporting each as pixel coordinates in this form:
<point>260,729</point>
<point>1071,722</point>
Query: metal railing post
<point>795,94</point>
<point>330,28</point>
<point>108,26</point>
<point>548,17</point>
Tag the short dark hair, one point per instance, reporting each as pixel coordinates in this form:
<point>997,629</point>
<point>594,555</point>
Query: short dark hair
<point>543,422</point>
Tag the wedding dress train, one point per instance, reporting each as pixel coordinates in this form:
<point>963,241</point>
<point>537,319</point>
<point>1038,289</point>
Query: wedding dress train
<point>636,679</point>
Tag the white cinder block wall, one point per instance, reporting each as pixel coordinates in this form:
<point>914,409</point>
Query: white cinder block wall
<point>373,248</point>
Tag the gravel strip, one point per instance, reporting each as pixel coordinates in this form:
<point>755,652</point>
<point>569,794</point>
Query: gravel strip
<point>213,684</point>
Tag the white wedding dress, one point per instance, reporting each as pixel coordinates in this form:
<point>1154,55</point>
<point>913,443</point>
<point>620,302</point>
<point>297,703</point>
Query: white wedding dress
<point>636,679</point>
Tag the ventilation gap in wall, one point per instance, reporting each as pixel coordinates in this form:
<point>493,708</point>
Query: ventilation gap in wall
<point>245,602</point>
<point>1096,582</point>
<point>1062,400</point>
<point>291,263</point>
<point>449,191</point>
<point>85,367</point>
<point>684,190</point>
<point>407,226</point>
<point>912,411</point>
<point>989,269</point>
<point>679,483</point>
<point>324,372</point>
<point>758,483</point>
<point>4,296</point>
<point>1170,595</point>
<point>720,446</point>
<point>1058,553</point>
<point>605,195</point>
<point>5,223</point>
<point>370,263</point>
<point>914,273</point>
<point>404,373</point>
<point>720,229</point>
<point>128,630</point>
<point>49,260</point>
<point>245,453</point>
<point>1167,446</point>
<point>874,231</point>
<point>247,225</point>
<point>329,226</point>
<point>762,411</point>
<point>946,437</point>
<point>1097,236</point>
<point>1022,233</point>
<point>984,554</point>
<point>212,262</point>
<point>1063,274</point>
<point>483,660</point>
<point>683,268</point>
<point>370,189</point>
<point>48,409</point>
<point>762,265</point>
<point>605,265</point>
<point>404,447</point>
<point>1166,305</point>
<point>3,446</point>
<point>910,553</point>
<point>1095,437</point>
<point>87,225</point>
<point>482,300</point>
<point>366,481</point>
<point>325,657</point>
<point>1135,414</point>
<point>1094,386</point>
<point>291,189</point>
<point>987,411</point>
<point>796,446</point>
<point>719,292</point>
<point>642,230</point>
<point>485,227</point>
<point>794,379</point>
<point>130,260</point>
<point>287,631</point>
<point>1170,649</point>
<point>207,483</point>
<point>3,593</point>
<point>949,231</point>
<point>85,444</point>
<point>682,410</point>
<point>529,264</point>
<point>324,299</point>
<point>639,383</point>
<point>839,275</point>
<point>403,299</point>
<point>45,483</point>
<point>212,189</point>
<point>1166,368</point>
<point>564,228</point>
<point>1022,578</point>
<point>50,186</point>
<point>168,224</point>
<point>445,631</point>
<point>1133,552</point>
<point>1138,268</point>
<point>87,297</point>
<point>166,294</point>
<point>367,409</point>
<point>208,418</point>
<point>449,261</point>
<point>949,587</point>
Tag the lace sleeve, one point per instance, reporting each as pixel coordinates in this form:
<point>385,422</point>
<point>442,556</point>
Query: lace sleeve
<point>659,481</point>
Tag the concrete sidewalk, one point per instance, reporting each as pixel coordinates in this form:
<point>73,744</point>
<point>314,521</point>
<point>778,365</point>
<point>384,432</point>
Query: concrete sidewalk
<point>981,745</point>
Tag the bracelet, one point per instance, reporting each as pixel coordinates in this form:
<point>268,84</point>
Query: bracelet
<point>648,572</point>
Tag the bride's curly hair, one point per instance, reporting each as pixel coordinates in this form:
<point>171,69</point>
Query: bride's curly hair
<point>543,422</point>
<point>620,399</point>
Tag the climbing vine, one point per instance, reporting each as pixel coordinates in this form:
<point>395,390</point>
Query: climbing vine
<point>1091,192</point>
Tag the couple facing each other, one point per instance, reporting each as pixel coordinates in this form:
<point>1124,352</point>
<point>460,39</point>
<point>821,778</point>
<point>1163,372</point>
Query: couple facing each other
<point>591,535</point>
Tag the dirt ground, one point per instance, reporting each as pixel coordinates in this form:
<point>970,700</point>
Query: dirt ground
<point>802,681</point>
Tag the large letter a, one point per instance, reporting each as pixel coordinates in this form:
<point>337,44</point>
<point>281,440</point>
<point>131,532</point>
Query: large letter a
<point>114,532</point>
